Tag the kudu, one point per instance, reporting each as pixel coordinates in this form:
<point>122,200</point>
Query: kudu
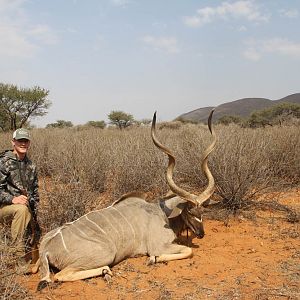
<point>131,226</point>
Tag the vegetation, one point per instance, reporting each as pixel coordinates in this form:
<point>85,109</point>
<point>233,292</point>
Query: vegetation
<point>226,120</point>
<point>120,119</point>
<point>170,125</point>
<point>246,163</point>
<point>143,122</point>
<point>279,114</point>
<point>92,167</point>
<point>97,124</point>
<point>185,121</point>
<point>9,287</point>
<point>60,124</point>
<point>19,105</point>
<point>276,115</point>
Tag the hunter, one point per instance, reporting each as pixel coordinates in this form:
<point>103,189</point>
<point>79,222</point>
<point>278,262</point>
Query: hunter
<point>19,195</point>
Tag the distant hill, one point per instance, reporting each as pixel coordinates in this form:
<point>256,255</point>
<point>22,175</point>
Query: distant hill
<point>242,107</point>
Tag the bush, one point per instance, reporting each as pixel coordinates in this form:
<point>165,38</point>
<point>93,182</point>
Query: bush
<point>83,169</point>
<point>283,113</point>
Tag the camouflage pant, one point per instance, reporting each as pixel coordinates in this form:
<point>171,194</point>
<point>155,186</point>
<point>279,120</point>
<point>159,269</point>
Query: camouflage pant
<point>19,216</point>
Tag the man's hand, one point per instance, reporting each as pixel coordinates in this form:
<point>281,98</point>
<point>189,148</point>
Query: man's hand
<point>20,200</point>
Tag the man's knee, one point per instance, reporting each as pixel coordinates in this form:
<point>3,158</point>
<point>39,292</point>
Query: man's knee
<point>21,211</point>
<point>12,211</point>
<point>20,208</point>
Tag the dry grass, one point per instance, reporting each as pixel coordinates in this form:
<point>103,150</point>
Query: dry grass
<point>9,288</point>
<point>77,166</point>
<point>250,162</point>
<point>81,170</point>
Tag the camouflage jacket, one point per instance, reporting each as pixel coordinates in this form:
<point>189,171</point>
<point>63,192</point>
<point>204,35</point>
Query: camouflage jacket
<point>16,177</point>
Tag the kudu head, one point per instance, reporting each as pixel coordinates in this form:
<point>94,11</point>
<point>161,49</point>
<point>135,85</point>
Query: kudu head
<point>181,203</point>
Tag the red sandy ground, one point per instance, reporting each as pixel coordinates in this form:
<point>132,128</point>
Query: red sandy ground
<point>244,259</point>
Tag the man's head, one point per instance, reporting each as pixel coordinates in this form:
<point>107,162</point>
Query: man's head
<point>21,142</point>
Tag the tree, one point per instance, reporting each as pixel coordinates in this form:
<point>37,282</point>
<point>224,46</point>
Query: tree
<point>274,115</point>
<point>145,121</point>
<point>258,119</point>
<point>60,124</point>
<point>186,121</point>
<point>226,120</point>
<point>284,112</point>
<point>97,124</point>
<point>18,105</point>
<point>120,119</point>
<point>4,121</point>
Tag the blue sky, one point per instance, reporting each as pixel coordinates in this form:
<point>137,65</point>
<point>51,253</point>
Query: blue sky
<point>138,56</point>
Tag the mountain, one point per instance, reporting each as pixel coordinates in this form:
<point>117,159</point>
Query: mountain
<point>242,107</point>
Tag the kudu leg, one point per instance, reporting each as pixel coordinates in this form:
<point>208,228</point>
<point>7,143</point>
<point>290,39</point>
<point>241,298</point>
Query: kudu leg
<point>72,274</point>
<point>173,252</point>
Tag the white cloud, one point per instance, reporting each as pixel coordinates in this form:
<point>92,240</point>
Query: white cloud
<point>43,33</point>
<point>252,54</point>
<point>257,49</point>
<point>165,44</point>
<point>14,44</point>
<point>282,46</point>
<point>20,38</point>
<point>10,5</point>
<point>292,13</point>
<point>244,9</point>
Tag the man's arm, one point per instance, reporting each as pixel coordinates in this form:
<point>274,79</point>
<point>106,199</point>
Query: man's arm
<point>5,197</point>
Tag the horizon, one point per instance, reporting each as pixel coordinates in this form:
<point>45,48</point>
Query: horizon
<point>168,56</point>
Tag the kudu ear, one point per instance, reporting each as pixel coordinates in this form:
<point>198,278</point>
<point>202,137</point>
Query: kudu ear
<point>173,206</point>
<point>176,211</point>
<point>209,202</point>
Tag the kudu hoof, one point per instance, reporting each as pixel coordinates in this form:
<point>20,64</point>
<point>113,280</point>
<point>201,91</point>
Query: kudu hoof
<point>151,261</point>
<point>107,278</point>
<point>106,275</point>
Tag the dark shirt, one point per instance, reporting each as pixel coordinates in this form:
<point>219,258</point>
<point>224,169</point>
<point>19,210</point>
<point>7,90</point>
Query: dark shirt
<point>18,177</point>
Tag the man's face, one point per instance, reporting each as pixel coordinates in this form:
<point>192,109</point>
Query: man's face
<point>21,146</point>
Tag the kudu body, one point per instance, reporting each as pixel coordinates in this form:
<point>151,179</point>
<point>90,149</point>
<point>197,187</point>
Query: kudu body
<point>130,226</point>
